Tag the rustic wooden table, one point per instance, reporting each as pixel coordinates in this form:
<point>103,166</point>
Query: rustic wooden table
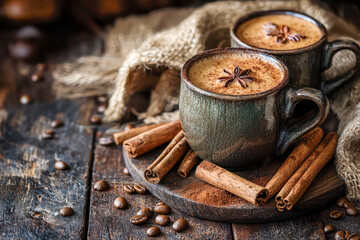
<point>32,191</point>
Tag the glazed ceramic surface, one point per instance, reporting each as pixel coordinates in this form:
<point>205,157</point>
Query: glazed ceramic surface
<point>240,131</point>
<point>306,64</point>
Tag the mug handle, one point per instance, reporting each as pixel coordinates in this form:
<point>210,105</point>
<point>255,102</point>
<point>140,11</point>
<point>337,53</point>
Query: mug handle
<point>330,49</point>
<point>289,134</point>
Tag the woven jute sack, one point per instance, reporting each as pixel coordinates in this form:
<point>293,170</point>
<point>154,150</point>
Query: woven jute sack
<point>147,52</point>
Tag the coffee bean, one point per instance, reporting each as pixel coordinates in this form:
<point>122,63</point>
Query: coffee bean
<point>354,237</point>
<point>128,127</point>
<point>37,77</point>
<point>340,235</point>
<point>101,108</point>
<point>329,228</point>
<point>66,211</point>
<point>126,171</point>
<point>41,67</point>
<point>48,134</point>
<point>56,123</point>
<point>340,202</point>
<point>102,99</point>
<point>139,219</point>
<point>180,225</point>
<point>349,204</point>
<point>120,203</point>
<point>101,185</point>
<point>21,50</point>
<point>139,188</point>
<point>25,99</point>
<point>336,214</point>
<point>61,165</point>
<point>106,141</point>
<point>129,188</point>
<point>162,220</point>
<point>162,208</point>
<point>145,212</point>
<point>153,231</point>
<point>95,119</point>
<point>352,211</point>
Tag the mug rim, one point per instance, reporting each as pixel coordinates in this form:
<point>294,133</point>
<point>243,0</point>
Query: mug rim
<point>301,15</point>
<point>281,65</point>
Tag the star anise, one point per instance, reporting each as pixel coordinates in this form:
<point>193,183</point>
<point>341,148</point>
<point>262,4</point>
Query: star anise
<point>281,33</point>
<point>238,75</point>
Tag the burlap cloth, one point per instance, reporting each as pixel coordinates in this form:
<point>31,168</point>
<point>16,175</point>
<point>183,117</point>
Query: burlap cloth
<point>167,38</point>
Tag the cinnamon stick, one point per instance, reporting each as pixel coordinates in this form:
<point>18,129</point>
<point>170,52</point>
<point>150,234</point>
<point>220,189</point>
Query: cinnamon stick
<point>298,174</point>
<point>330,142</point>
<point>187,163</point>
<point>167,159</point>
<point>305,147</point>
<point>221,178</point>
<point>120,137</point>
<point>151,139</point>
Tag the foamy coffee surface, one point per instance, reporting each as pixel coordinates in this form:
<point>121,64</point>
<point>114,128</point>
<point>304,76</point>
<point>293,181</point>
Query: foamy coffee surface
<point>252,32</point>
<point>205,72</point>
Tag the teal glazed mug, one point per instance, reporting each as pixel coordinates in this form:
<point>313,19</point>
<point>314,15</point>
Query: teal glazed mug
<point>305,63</point>
<point>241,131</point>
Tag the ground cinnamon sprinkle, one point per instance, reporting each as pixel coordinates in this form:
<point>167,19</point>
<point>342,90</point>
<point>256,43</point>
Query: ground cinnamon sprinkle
<point>205,193</point>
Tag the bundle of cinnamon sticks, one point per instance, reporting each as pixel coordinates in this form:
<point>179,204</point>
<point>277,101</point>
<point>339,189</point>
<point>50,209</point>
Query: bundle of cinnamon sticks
<point>140,140</point>
<point>289,183</point>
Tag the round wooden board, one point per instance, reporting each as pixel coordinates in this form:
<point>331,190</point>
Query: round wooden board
<point>197,198</point>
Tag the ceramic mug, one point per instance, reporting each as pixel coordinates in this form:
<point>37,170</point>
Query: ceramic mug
<point>305,64</point>
<point>240,131</point>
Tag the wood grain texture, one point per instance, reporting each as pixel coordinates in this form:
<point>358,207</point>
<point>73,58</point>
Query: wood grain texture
<point>33,191</point>
<point>107,222</point>
<point>308,227</point>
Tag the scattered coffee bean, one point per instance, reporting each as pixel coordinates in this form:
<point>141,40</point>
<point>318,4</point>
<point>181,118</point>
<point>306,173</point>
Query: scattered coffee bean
<point>162,208</point>
<point>153,231</point>
<point>139,188</point>
<point>354,237</point>
<point>66,211</point>
<point>120,203</point>
<point>36,77</point>
<point>101,108</point>
<point>145,212</point>
<point>162,220</point>
<point>95,119</point>
<point>25,99</point>
<point>48,134</point>
<point>106,141</point>
<point>56,123</point>
<point>102,99</point>
<point>101,185</point>
<point>336,214</point>
<point>129,188</point>
<point>61,165</point>
<point>126,171</point>
<point>139,219</point>
<point>41,67</point>
<point>329,228</point>
<point>128,127</point>
<point>352,211</point>
<point>340,202</point>
<point>180,225</point>
<point>340,235</point>
<point>349,204</point>
<point>21,50</point>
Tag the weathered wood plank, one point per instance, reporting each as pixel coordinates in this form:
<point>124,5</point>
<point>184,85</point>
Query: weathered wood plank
<point>32,190</point>
<point>107,222</point>
<point>308,227</point>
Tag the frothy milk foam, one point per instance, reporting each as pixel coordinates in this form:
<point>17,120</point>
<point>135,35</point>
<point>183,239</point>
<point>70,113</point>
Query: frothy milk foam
<point>205,72</point>
<point>252,32</point>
